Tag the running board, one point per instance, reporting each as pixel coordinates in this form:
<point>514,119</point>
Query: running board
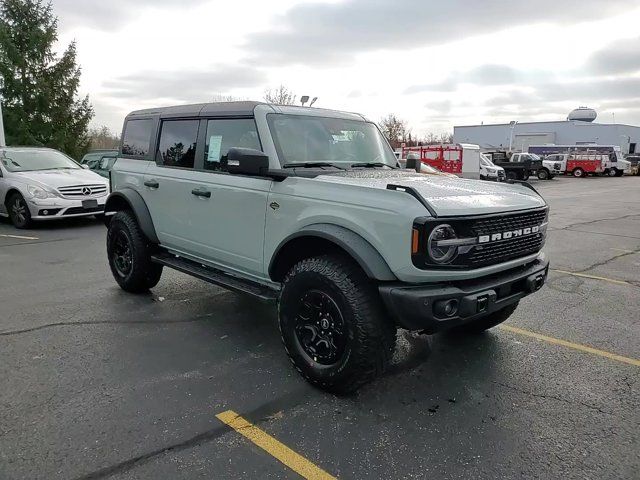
<point>217,277</point>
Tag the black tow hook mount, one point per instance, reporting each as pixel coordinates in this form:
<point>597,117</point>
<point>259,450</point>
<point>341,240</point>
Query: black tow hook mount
<point>535,282</point>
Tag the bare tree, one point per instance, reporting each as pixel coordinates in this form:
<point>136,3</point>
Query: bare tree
<point>434,138</point>
<point>394,129</point>
<point>280,96</point>
<point>101,138</point>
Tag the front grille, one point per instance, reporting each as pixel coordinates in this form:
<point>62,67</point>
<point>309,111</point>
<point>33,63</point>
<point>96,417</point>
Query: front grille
<point>77,210</point>
<point>488,247</point>
<point>505,250</point>
<point>83,191</point>
<point>502,223</point>
<point>508,249</point>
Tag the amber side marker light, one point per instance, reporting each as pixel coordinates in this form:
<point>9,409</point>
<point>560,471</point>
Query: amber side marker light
<point>414,241</point>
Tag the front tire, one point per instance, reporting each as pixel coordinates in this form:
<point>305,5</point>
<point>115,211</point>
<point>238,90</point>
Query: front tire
<point>490,321</point>
<point>19,211</point>
<point>333,324</point>
<point>129,254</point>
<point>613,172</point>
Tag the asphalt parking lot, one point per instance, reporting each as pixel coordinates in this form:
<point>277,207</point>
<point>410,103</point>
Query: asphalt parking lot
<point>97,383</point>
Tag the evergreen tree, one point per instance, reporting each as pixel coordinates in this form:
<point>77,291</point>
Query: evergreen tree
<point>39,89</point>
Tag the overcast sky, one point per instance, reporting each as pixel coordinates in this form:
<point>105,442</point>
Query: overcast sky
<point>434,63</point>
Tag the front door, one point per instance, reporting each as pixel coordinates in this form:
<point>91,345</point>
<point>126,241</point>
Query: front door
<point>199,208</point>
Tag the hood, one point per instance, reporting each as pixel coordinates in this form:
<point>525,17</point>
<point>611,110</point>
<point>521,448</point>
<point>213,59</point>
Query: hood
<point>61,178</point>
<point>448,196</point>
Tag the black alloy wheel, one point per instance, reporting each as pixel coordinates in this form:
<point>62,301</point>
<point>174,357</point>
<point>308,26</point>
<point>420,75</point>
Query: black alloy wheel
<point>320,328</point>
<point>122,254</point>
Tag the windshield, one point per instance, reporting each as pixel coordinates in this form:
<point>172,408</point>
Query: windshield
<point>30,160</point>
<point>484,160</point>
<point>308,139</point>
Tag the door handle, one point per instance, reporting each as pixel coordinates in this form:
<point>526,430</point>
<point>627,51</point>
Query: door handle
<point>201,193</point>
<point>151,184</point>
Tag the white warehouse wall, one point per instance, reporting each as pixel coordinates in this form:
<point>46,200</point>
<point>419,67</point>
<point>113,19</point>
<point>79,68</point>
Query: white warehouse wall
<point>561,133</point>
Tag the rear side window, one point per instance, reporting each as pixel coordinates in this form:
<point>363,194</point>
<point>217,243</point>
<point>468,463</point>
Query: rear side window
<point>136,137</point>
<point>225,134</point>
<point>177,146</point>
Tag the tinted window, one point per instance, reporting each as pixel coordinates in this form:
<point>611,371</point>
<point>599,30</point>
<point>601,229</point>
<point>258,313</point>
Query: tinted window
<point>225,134</point>
<point>178,143</point>
<point>136,138</point>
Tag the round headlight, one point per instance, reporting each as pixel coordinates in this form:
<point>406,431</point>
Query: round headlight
<point>438,252</point>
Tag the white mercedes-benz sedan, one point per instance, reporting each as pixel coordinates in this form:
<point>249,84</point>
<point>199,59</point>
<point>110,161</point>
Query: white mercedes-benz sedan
<point>43,184</point>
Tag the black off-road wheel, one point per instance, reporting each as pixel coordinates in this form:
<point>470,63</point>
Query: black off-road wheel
<point>129,254</point>
<point>19,211</point>
<point>490,321</point>
<point>333,324</point>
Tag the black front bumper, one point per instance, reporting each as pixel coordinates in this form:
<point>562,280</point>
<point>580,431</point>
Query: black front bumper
<point>424,307</point>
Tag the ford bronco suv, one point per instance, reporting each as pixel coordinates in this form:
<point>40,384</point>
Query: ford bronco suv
<point>308,208</point>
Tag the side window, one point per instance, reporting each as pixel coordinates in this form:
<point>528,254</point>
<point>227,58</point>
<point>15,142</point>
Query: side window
<point>136,137</point>
<point>224,134</point>
<point>177,146</point>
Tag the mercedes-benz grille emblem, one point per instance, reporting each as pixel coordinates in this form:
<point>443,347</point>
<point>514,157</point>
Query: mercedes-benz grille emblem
<point>86,191</point>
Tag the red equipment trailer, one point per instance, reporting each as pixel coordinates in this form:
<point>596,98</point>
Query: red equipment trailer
<point>446,158</point>
<point>582,164</point>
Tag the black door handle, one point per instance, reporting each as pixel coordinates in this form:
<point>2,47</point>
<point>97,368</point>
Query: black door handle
<point>151,184</point>
<point>201,193</point>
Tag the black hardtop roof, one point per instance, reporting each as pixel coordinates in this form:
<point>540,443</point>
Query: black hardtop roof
<point>196,109</point>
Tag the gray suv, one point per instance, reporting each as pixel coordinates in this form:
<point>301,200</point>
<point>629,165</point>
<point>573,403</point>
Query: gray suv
<point>308,208</point>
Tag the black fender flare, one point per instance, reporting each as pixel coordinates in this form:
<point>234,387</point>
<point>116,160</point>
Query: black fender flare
<point>369,259</point>
<point>137,205</point>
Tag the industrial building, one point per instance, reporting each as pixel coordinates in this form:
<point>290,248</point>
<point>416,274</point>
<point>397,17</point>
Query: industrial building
<point>578,129</point>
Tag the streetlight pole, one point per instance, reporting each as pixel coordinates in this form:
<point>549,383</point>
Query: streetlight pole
<point>512,124</point>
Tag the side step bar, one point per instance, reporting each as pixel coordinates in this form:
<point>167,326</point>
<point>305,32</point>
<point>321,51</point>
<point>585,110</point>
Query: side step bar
<point>217,277</point>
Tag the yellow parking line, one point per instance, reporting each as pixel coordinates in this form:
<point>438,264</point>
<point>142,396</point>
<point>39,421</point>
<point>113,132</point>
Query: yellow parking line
<point>21,237</point>
<point>594,277</point>
<point>273,447</point>
<point>575,346</point>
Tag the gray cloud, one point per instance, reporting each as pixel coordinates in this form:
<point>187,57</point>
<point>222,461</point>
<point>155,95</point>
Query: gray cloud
<point>184,86</point>
<point>618,57</point>
<point>108,14</point>
<point>483,75</point>
<point>319,33</point>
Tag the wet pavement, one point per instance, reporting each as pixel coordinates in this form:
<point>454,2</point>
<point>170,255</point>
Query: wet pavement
<point>98,383</point>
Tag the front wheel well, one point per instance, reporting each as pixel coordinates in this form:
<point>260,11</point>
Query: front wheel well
<point>298,249</point>
<point>10,192</point>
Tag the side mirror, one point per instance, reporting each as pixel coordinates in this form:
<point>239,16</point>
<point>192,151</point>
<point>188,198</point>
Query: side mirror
<point>85,166</point>
<point>247,161</point>
<point>413,161</point>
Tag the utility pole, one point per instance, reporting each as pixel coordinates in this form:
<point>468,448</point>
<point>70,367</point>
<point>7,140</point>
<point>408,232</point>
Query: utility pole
<point>3,143</point>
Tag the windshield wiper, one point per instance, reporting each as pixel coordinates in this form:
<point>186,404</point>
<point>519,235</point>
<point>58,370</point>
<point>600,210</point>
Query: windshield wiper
<point>311,165</point>
<point>371,165</point>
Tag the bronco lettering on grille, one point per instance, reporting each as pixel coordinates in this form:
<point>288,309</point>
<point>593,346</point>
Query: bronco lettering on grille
<point>494,237</point>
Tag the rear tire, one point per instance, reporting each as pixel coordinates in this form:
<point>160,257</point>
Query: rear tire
<point>543,174</point>
<point>488,322</point>
<point>19,211</point>
<point>333,324</point>
<point>511,175</point>
<point>129,254</point>
<point>578,173</point>
<point>525,176</point>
